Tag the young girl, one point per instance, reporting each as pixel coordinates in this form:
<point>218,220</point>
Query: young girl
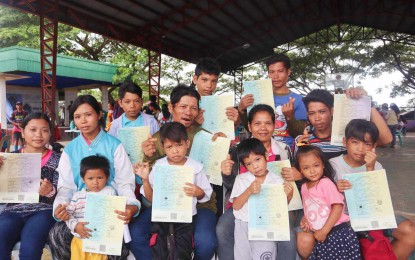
<point>323,208</point>
<point>86,113</point>
<point>30,223</point>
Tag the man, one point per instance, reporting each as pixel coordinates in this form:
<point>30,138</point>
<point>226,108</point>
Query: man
<point>16,119</point>
<point>290,112</point>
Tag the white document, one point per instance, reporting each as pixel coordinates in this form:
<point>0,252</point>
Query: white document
<point>262,91</point>
<point>170,203</point>
<point>132,138</point>
<point>268,214</point>
<point>369,201</point>
<point>20,178</point>
<point>346,109</point>
<point>215,119</point>
<point>107,228</point>
<point>276,168</point>
<point>210,154</point>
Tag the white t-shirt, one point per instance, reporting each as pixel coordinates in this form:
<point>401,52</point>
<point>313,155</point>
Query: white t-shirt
<point>242,182</point>
<point>341,167</point>
<point>199,179</point>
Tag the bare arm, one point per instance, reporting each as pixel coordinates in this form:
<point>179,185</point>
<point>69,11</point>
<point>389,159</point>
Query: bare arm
<point>336,211</point>
<point>148,191</point>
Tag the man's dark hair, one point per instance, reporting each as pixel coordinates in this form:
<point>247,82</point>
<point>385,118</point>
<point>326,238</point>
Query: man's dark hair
<point>173,131</point>
<point>280,57</point>
<point>248,146</point>
<point>357,128</point>
<point>208,66</point>
<point>182,90</point>
<point>319,95</point>
<point>131,87</point>
<point>261,108</point>
<point>95,162</point>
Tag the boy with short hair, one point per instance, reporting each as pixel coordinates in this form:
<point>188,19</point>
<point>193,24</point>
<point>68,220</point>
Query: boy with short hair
<point>206,76</point>
<point>360,141</point>
<point>253,155</point>
<point>175,144</point>
<point>131,101</point>
<point>95,170</point>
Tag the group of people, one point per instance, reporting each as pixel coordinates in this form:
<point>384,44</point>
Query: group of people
<point>97,162</point>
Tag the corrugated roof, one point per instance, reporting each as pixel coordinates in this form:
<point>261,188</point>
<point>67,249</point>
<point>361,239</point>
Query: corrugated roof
<point>19,59</point>
<point>235,32</point>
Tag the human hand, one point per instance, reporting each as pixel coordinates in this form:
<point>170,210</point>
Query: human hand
<point>245,102</point>
<point>304,225</point>
<point>232,114</point>
<point>288,109</point>
<point>226,165</point>
<point>83,231</point>
<point>255,186</point>
<point>193,190</point>
<point>142,170</point>
<point>149,146</point>
<point>291,174</point>
<point>370,159</point>
<point>355,93</point>
<point>45,188</point>
<point>343,185</point>
<point>2,159</point>
<point>130,211</point>
<point>61,213</point>
<point>199,119</point>
<point>303,139</point>
<point>289,191</point>
<point>320,235</point>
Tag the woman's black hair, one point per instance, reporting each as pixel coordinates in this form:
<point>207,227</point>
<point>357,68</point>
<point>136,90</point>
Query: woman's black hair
<point>36,115</point>
<point>84,99</point>
<point>165,111</point>
<point>395,108</point>
<point>328,170</point>
<point>261,108</point>
<point>248,146</point>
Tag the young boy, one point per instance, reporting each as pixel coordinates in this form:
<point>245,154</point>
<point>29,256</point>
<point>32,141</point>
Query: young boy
<point>95,171</point>
<point>253,155</point>
<point>360,141</point>
<point>16,119</point>
<point>131,101</point>
<point>175,144</point>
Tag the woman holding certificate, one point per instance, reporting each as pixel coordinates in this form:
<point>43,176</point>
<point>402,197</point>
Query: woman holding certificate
<point>261,121</point>
<point>26,222</point>
<point>86,113</point>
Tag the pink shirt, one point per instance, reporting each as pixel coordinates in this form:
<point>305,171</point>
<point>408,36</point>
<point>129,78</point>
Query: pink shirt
<point>317,203</point>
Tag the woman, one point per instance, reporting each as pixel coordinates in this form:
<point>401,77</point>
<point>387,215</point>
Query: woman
<point>261,121</point>
<point>392,121</point>
<point>30,223</point>
<point>86,113</point>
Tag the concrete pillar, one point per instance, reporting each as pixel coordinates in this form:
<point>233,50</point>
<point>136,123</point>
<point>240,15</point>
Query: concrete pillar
<point>3,102</point>
<point>104,97</point>
<point>70,95</point>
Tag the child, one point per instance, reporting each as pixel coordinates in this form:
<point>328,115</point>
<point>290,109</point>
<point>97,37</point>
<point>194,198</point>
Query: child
<point>323,208</point>
<point>30,223</point>
<point>175,143</point>
<point>110,116</point>
<point>95,171</point>
<point>253,155</point>
<point>130,99</point>
<point>16,119</point>
<point>360,141</point>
